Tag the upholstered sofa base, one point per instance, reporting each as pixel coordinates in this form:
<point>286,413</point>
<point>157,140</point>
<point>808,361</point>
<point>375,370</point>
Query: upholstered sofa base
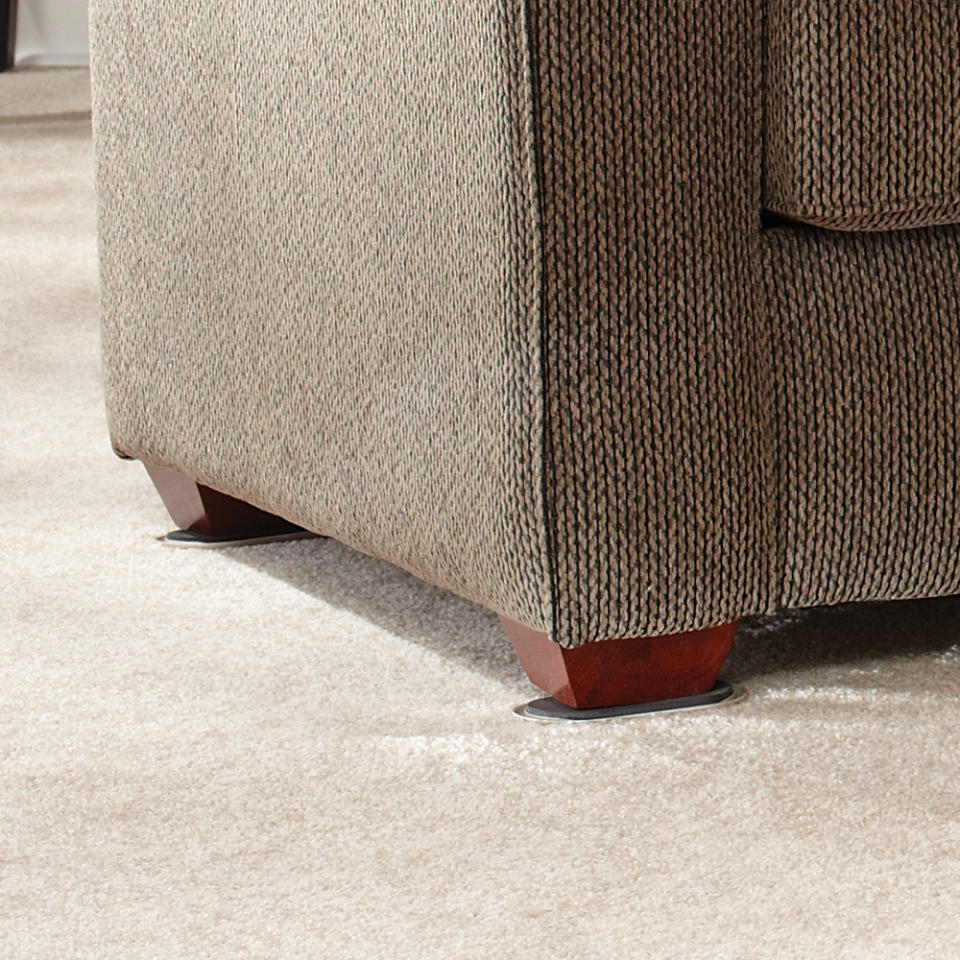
<point>602,674</point>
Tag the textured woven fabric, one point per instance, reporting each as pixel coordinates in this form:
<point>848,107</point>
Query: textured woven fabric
<point>658,353</point>
<point>482,289</point>
<point>863,112</point>
<point>868,392</point>
<point>319,271</point>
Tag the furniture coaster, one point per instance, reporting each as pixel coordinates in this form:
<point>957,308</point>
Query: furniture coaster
<point>188,538</point>
<point>547,708</point>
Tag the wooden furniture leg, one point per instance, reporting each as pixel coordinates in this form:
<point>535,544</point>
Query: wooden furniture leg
<point>208,512</point>
<point>612,673</point>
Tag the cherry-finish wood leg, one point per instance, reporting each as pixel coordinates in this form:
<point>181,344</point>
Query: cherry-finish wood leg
<point>612,673</point>
<point>210,513</point>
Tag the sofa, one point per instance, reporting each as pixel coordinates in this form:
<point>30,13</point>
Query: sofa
<point>624,319</point>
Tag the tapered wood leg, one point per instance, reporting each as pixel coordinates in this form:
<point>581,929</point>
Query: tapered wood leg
<point>612,673</point>
<point>210,513</point>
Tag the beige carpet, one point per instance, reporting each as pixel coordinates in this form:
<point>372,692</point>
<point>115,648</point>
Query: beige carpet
<point>296,751</point>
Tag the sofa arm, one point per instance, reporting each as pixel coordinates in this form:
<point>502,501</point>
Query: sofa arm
<point>472,287</point>
<point>319,263</point>
<point>658,354</point>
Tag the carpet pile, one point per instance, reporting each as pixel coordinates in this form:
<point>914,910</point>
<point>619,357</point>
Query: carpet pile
<point>293,750</point>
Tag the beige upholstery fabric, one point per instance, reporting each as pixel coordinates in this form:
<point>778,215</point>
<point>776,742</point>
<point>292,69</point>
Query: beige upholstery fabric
<point>863,112</point>
<point>867,360</point>
<point>319,271</point>
<point>482,289</point>
<point>658,364</point>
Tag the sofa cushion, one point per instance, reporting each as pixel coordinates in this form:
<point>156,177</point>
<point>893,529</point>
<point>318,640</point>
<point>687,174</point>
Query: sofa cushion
<point>862,112</point>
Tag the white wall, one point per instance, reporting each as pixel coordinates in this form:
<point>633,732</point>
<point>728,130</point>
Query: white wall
<point>52,32</point>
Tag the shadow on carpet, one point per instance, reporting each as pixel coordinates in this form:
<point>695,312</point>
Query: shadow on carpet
<point>455,628</point>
